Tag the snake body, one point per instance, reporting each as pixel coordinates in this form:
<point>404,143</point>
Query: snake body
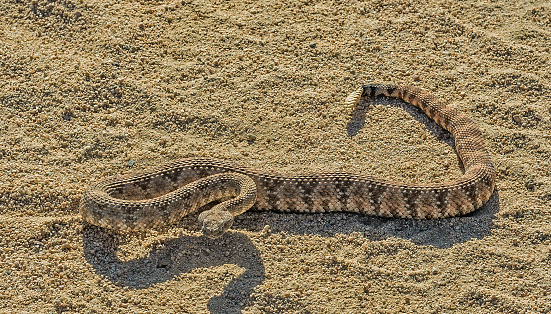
<point>165,194</point>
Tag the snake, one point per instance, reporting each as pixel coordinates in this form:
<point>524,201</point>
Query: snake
<point>165,194</point>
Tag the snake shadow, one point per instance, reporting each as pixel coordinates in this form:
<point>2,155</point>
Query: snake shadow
<point>358,118</point>
<point>174,257</point>
<point>440,233</point>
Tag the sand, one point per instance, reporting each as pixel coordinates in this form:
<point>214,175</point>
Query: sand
<point>90,89</point>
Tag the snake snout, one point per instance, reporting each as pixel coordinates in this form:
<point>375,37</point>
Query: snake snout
<point>214,222</point>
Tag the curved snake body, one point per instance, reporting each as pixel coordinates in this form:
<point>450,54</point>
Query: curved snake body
<point>165,194</point>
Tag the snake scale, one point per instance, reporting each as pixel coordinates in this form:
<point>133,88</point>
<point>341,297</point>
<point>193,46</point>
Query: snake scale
<point>167,193</point>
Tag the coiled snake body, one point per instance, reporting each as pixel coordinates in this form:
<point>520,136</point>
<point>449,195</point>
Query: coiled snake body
<point>165,194</point>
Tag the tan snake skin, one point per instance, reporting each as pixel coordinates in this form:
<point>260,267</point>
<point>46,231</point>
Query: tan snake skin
<point>165,194</point>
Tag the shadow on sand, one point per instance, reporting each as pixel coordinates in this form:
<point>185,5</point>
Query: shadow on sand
<point>177,256</point>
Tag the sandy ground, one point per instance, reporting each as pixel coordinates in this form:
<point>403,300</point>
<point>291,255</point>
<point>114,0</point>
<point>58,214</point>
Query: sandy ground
<point>92,88</point>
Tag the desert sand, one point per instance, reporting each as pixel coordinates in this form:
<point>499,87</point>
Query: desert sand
<point>91,89</point>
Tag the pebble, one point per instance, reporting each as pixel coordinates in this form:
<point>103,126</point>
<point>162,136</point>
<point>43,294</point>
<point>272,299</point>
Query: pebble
<point>529,184</point>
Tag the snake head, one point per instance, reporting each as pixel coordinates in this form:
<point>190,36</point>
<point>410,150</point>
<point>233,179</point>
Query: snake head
<point>215,222</point>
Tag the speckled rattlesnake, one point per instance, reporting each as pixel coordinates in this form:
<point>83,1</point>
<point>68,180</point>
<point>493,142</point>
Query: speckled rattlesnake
<point>167,193</point>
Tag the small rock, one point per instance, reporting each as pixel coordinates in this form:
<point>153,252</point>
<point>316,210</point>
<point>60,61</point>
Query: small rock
<point>265,231</point>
